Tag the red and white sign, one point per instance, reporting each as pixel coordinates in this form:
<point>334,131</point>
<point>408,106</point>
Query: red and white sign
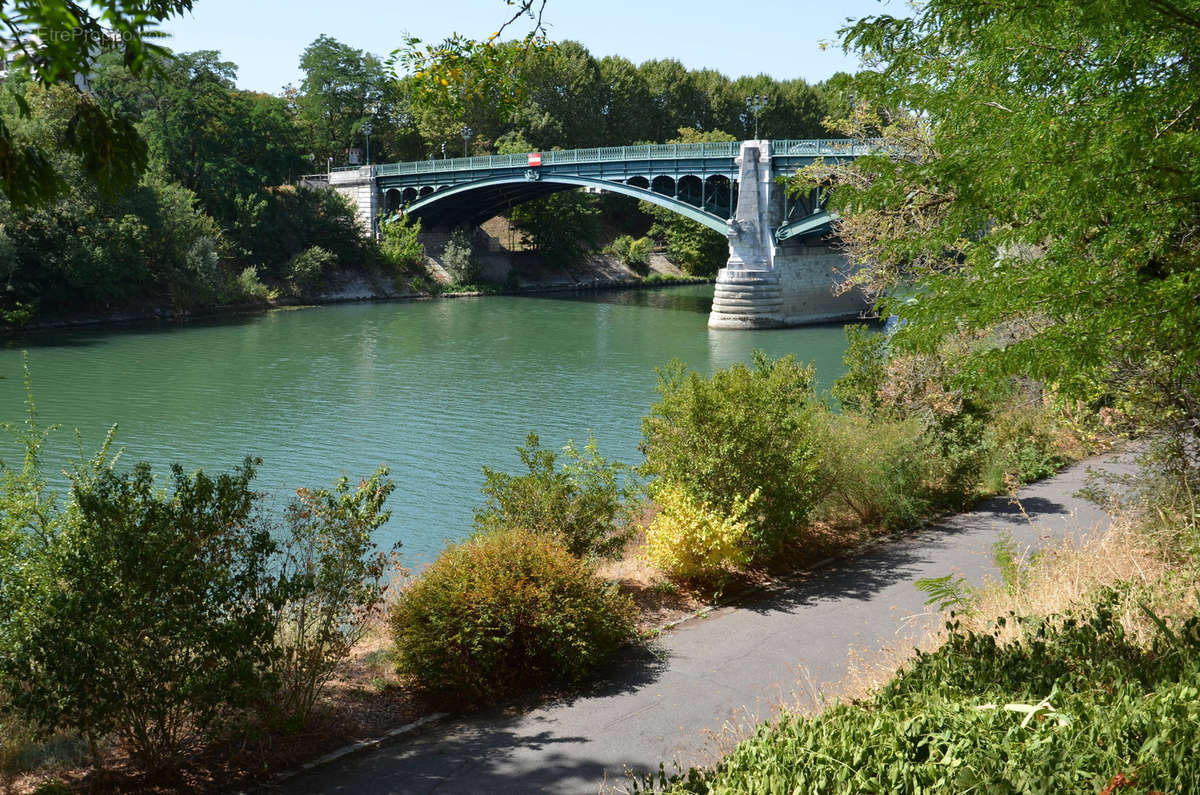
<point>535,158</point>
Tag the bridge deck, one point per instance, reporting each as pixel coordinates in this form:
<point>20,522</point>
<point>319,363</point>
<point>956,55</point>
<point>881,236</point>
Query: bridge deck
<point>807,148</point>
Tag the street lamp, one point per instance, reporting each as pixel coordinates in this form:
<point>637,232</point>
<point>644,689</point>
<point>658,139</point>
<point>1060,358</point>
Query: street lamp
<point>466,136</point>
<point>367,129</point>
<point>755,104</point>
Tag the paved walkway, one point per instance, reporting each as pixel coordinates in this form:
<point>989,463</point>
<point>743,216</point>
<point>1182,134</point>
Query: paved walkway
<point>732,667</point>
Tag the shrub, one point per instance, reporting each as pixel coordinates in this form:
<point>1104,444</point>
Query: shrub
<point>1072,706</point>
<point>401,244</point>
<point>504,611</point>
<point>743,429</point>
<point>582,503</point>
<point>147,614</point>
<point>634,253</point>
<point>874,469</point>
<point>307,270</point>
<point>865,360</point>
<point>250,287</point>
<point>953,413</point>
<point>690,541</point>
<point>1022,444</point>
<point>458,258</point>
<point>334,583</point>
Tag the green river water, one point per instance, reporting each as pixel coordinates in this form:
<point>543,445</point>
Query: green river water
<point>434,389</point>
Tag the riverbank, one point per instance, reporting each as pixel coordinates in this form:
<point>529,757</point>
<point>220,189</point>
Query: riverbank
<point>359,288</point>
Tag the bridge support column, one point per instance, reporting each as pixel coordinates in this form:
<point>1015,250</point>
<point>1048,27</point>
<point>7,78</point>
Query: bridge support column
<point>748,294</point>
<point>358,185</point>
<point>766,284</point>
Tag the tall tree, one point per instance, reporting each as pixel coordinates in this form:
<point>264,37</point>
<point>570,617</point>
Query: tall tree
<point>217,141</point>
<point>1044,187</point>
<point>57,43</point>
<point>343,89</point>
<point>627,110</point>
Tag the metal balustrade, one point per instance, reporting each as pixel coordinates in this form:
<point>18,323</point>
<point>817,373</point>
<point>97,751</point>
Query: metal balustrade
<point>846,147</point>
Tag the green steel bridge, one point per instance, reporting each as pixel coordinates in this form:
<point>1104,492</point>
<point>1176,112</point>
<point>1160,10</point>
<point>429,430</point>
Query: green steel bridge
<point>698,180</point>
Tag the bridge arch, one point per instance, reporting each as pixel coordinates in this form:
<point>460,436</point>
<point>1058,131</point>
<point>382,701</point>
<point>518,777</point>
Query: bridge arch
<point>475,202</point>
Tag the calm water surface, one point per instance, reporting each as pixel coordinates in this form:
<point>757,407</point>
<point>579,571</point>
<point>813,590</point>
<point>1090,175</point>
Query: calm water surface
<point>434,389</point>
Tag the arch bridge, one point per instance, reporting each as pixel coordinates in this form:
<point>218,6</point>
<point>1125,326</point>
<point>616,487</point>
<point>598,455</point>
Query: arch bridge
<point>706,182</point>
<point>698,180</point>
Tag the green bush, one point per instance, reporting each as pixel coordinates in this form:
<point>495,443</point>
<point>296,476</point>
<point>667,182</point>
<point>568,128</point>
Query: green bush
<point>334,582</point>
<point>1022,444</point>
<point>690,541</point>
<point>146,614</point>
<point>401,244</point>
<point>307,270</point>
<point>506,611</point>
<point>875,470</point>
<point>582,502</point>
<point>743,429</point>
<point>865,359</point>
<point>634,253</point>
<point>250,287</point>
<point>459,259</point>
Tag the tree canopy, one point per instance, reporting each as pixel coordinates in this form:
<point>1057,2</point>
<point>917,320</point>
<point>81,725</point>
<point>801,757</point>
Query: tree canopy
<point>1042,188</point>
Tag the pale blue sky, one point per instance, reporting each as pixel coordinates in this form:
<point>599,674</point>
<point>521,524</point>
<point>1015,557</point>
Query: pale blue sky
<point>737,37</point>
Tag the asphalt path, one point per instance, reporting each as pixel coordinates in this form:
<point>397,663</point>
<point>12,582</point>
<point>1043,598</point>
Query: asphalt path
<point>724,671</point>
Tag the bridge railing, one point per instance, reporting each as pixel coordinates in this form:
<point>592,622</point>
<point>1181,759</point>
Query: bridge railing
<point>801,147</point>
<point>819,147</point>
<point>552,157</point>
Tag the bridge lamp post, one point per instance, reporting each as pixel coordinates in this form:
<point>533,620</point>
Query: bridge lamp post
<point>467,132</point>
<point>755,104</point>
<point>367,129</point>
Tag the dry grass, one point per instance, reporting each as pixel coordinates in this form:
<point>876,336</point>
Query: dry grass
<point>1067,576</point>
<point>1064,578</point>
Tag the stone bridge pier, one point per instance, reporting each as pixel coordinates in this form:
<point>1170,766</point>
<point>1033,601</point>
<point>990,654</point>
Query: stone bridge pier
<point>769,283</point>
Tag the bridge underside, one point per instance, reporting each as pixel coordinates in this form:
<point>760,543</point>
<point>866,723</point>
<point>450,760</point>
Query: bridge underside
<point>476,206</point>
<point>475,202</point>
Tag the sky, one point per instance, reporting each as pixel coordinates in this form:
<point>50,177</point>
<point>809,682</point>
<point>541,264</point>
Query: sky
<point>743,37</point>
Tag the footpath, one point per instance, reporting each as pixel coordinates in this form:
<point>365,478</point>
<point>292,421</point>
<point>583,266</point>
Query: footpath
<point>728,670</point>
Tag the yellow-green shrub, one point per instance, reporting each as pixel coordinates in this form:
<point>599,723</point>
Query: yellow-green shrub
<point>691,540</point>
<point>505,611</point>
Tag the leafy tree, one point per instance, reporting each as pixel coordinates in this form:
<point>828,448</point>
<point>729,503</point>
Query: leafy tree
<point>675,98</point>
<point>56,43</point>
<point>459,258</point>
<point>564,98</point>
<point>627,110</point>
<point>343,89</point>
<point>401,246</point>
<point>695,248</point>
<point>563,227</point>
<point>202,132</point>
<point>452,82</point>
<point>1043,188</point>
<point>90,248</point>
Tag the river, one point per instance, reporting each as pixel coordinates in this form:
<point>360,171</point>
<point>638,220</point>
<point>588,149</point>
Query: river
<point>434,389</point>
